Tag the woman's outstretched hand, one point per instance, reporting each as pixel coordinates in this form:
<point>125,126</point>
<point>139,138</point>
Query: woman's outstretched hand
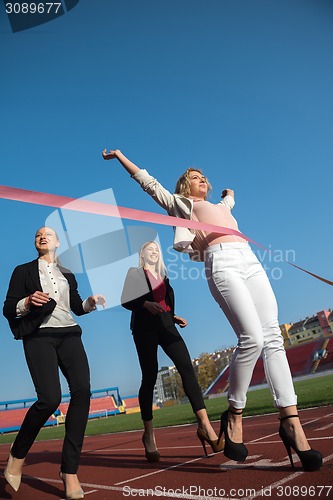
<point>180,321</point>
<point>227,192</point>
<point>110,155</point>
<point>125,162</point>
<point>95,300</point>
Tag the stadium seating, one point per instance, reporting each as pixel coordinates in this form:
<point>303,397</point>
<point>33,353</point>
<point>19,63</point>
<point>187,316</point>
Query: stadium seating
<point>102,404</point>
<point>326,362</point>
<point>258,376</point>
<point>10,420</point>
<point>300,357</point>
<point>131,404</point>
<point>220,384</point>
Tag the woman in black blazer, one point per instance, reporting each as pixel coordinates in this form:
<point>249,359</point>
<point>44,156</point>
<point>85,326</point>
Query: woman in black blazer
<point>38,306</point>
<point>149,295</point>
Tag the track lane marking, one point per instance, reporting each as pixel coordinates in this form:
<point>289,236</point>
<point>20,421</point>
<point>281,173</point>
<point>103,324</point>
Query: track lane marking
<point>164,469</point>
<point>284,480</point>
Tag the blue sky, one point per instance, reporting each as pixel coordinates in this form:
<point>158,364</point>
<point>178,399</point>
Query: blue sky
<point>239,88</point>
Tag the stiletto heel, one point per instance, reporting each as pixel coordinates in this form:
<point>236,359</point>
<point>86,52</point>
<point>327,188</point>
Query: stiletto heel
<point>311,460</point>
<point>287,446</point>
<point>72,495</point>
<point>216,445</point>
<point>13,481</point>
<point>232,450</point>
<point>151,456</point>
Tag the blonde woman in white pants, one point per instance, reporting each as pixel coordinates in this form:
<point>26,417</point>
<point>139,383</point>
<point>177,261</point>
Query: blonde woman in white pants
<point>240,286</point>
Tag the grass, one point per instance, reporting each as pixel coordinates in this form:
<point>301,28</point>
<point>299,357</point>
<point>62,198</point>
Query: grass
<point>312,392</point>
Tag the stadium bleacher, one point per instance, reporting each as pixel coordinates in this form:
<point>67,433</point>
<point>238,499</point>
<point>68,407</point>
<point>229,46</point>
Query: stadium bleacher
<point>326,361</point>
<point>300,357</point>
<point>10,420</point>
<point>103,406</point>
<point>131,404</point>
<point>103,403</point>
<point>220,384</point>
<point>258,376</point>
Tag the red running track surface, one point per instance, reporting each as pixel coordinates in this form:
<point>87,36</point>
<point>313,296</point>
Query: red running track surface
<point>113,466</point>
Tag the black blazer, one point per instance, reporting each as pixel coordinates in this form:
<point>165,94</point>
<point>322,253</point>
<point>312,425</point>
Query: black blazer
<point>25,281</point>
<point>137,289</point>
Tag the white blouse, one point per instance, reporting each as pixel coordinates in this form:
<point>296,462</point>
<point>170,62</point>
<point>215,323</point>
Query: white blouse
<point>55,284</point>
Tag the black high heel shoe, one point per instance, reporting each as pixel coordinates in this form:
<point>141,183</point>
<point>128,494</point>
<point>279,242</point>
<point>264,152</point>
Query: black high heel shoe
<point>216,445</point>
<point>232,450</point>
<point>151,456</point>
<point>311,459</point>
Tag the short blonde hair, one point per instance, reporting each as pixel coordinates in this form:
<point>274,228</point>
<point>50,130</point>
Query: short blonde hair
<point>183,184</point>
<point>160,267</point>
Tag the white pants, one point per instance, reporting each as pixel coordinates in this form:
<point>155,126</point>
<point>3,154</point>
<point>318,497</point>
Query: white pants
<point>242,289</point>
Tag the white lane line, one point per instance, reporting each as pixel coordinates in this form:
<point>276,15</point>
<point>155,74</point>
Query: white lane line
<point>126,450</point>
<point>140,491</point>
<point>287,479</point>
<point>303,423</point>
<point>329,426</point>
<point>256,441</point>
<point>162,470</point>
<point>104,450</point>
<point>261,438</point>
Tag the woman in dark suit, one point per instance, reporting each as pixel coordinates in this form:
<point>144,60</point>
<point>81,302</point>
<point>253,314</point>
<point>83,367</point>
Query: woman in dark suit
<point>149,295</point>
<point>38,305</point>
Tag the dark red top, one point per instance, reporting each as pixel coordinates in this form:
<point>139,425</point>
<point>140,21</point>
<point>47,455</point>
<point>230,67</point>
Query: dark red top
<point>159,289</point>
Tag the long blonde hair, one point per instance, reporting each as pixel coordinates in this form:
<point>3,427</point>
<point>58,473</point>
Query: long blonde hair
<point>183,186</point>
<point>160,267</point>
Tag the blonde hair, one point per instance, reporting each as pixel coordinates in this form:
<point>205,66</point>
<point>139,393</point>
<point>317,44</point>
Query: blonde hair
<point>183,186</point>
<point>160,267</point>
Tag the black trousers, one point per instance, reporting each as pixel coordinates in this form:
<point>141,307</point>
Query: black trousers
<point>45,353</point>
<point>166,335</point>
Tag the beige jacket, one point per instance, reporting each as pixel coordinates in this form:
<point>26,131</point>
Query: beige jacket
<point>176,205</point>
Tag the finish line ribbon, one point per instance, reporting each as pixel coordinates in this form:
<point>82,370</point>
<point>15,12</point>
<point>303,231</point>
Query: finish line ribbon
<point>98,208</point>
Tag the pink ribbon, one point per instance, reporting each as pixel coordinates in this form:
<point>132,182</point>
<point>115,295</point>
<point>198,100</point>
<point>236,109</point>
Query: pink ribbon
<point>98,208</point>
<point>95,207</point>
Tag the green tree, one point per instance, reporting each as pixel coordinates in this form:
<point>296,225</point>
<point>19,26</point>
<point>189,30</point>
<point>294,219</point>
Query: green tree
<point>207,370</point>
<point>173,387</point>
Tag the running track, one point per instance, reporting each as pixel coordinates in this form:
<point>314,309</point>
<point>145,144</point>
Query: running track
<point>113,466</point>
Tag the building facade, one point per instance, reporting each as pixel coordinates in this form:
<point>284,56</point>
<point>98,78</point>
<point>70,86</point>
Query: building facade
<point>311,328</point>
